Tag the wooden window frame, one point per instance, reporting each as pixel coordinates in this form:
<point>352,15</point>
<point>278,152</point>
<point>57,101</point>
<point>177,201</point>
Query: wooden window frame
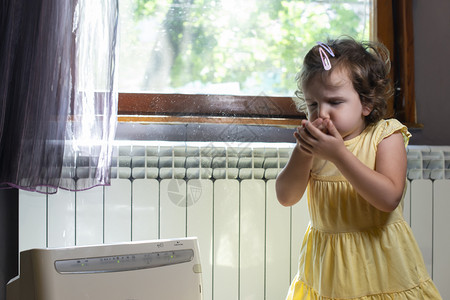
<point>198,108</point>
<point>393,27</point>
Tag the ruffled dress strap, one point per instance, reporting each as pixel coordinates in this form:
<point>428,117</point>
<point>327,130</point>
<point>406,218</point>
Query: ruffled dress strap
<point>390,126</point>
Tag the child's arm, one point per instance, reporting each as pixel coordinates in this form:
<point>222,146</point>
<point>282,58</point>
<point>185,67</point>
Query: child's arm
<point>382,187</point>
<point>292,181</point>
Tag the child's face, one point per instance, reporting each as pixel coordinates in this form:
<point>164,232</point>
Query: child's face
<point>333,97</point>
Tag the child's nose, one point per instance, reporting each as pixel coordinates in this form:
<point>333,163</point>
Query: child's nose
<point>323,112</point>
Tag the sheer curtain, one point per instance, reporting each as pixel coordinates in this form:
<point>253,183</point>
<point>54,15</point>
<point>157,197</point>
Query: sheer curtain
<point>58,97</point>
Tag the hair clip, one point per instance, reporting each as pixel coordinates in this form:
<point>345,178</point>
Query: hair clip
<point>323,55</point>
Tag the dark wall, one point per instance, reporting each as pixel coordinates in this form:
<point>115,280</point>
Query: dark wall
<point>432,71</point>
<point>9,237</point>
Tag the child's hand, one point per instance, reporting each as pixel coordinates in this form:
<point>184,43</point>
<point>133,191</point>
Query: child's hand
<point>318,123</point>
<point>324,143</point>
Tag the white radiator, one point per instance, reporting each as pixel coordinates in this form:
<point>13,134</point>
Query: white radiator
<point>224,194</point>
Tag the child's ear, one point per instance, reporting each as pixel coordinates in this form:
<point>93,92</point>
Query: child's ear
<point>366,110</point>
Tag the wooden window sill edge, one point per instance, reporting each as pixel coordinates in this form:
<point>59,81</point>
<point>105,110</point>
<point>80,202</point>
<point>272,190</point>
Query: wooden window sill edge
<point>255,121</point>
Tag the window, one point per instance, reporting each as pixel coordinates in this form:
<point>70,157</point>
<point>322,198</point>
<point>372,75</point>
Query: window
<point>207,60</point>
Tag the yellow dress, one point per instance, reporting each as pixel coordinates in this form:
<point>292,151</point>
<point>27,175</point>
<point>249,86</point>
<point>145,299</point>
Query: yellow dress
<point>352,250</point>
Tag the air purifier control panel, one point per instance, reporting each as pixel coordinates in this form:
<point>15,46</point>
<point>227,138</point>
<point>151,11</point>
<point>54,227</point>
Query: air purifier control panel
<point>123,262</point>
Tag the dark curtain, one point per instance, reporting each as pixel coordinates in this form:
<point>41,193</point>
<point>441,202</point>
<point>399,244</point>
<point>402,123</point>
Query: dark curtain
<point>57,92</point>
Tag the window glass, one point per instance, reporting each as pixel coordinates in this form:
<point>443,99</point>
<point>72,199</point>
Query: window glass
<point>251,47</point>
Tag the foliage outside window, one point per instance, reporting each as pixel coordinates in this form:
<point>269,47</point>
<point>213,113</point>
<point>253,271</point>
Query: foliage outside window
<point>231,47</point>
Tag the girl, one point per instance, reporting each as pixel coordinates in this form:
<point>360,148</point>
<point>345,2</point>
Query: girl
<point>357,245</point>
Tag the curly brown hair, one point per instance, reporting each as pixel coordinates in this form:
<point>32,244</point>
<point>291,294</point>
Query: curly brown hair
<point>368,65</point>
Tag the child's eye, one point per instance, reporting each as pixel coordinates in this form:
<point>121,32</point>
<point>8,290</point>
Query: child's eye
<point>312,104</point>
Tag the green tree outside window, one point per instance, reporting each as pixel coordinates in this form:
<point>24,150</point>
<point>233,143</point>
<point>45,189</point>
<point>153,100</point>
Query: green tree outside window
<point>235,47</point>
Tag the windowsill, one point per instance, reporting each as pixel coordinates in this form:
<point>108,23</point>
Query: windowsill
<point>256,121</point>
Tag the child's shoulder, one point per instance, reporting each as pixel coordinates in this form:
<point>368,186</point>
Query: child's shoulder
<point>387,127</point>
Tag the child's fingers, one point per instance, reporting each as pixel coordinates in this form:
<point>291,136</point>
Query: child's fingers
<point>302,145</point>
<point>313,130</point>
<point>318,122</point>
<point>297,132</point>
<point>332,129</point>
<point>297,136</point>
<point>302,137</point>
